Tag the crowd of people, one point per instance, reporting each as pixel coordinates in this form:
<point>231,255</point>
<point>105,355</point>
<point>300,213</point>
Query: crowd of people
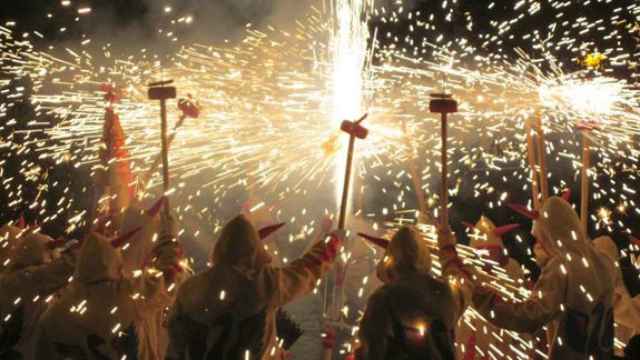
<point>130,294</point>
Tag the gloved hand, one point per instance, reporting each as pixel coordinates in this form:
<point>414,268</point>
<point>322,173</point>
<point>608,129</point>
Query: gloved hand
<point>168,228</point>
<point>332,245</point>
<point>329,338</point>
<point>445,236</point>
<point>326,225</point>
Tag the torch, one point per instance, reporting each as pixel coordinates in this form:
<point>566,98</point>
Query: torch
<point>444,104</point>
<point>162,92</point>
<point>355,131</point>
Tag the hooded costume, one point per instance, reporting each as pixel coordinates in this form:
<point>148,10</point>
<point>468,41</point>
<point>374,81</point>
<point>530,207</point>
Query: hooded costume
<point>25,287</point>
<point>573,297</point>
<point>626,310</point>
<point>98,315</point>
<point>475,337</point>
<point>136,255</point>
<point>228,311</point>
<point>413,315</point>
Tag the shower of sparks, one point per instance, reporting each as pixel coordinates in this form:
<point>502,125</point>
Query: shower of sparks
<point>273,102</point>
<point>350,60</point>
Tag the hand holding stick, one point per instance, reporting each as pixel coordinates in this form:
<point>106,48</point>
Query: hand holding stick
<point>355,130</point>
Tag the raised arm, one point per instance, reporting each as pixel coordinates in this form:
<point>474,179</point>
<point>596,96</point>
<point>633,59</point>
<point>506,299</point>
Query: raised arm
<point>157,283</point>
<point>543,305</point>
<point>459,276</point>
<point>300,277</point>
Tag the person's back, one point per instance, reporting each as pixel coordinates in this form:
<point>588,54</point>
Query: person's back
<point>228,312</point>
<point>573,297</point>
<point>414,313</point>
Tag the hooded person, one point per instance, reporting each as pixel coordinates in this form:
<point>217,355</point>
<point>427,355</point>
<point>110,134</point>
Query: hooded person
<point>98,316</point>
<point>144,225</point>
<point>473,334</point>
<point>25,288</point>
<point>413,315</point>
<point>573,296</point>
<point>228,312</point>
<point>626,310</point>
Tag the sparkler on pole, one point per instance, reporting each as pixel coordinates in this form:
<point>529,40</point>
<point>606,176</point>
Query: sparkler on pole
<point>355,130</point>
<point>444,104</point>
<point>160,91</point>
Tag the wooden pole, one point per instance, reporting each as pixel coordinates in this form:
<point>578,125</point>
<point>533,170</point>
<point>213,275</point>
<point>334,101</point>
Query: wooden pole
<point>347,180</point>
<point>334,310</point>
<point>340,271</point>
<point>531,152</point>
<point>544,183</point>
<point>584,188</point>
<point>444,196</point>
<point>165,152</point>
<point>156,161</point>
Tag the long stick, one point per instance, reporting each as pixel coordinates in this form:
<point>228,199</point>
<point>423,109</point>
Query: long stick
<point>337,287</point>
<point>544,183</point>
<point>165,151</point>
<point>444,197</point>
<point>345,189</point>
<point>156,161</point>
<point>584,189</point>
<point>535,182</point>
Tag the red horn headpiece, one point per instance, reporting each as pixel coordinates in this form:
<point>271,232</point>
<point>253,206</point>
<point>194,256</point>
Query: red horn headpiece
<point>504,229</point>
<point>383,243</point>
<point>530,214</point>
<point>268,230</point>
